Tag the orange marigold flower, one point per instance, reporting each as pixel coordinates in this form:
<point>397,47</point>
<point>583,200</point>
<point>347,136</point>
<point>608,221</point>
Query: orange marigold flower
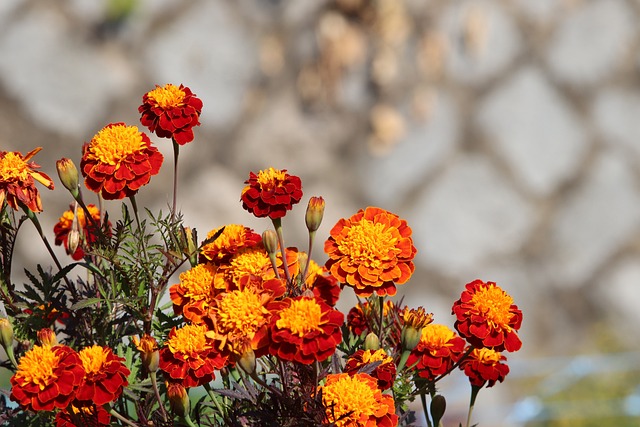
<point>190,357</point>
<point>78,415</point>
<point>253,261</point>
<point>241,316</point>
<point>65,224</point>
<point>118,161</point>
<point>233,238</point>
<point>360,316</point>
<point>487,317</point>
<point>413,321</point>
<point>17,180</point>
<point>304,330</point>
<point>105,375</point>
<point>192,296</point>
<point>171,112</point>
<point>484,366</point>
<point>47,378</point>
<point>272,192</point>
<point>372,252</point>
<point>355,400</point>
<point>148,348</point>
<point>436,353</point>
<point>385,372</point>
<point>326,288</point>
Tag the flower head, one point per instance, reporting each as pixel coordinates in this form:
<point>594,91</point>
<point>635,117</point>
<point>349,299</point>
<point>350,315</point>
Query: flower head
<point>78,415</point>
<point>233,238</point>
<point>414,320</point>
<point>372,252</point>
<point>487,317</point>
<point>436,353</point>
<point>271,193</point>
<point>304,330</point>
<point>189,356</point>
<point>148,348</point>
<point>171,112</point>
<point>355,400</point>
<point>385,372</point>
<point>47,378</point>
<point>118,161</point>
<point>484,366</point>
<point>315,212</point>
<point>68,174</point>
<point>178,398</point>
<point>105,375</point>
<point>17,180</point>
<point>65,224</point>
<point>192,296</point>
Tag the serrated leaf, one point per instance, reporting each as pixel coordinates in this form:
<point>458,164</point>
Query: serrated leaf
<point>86,303</point>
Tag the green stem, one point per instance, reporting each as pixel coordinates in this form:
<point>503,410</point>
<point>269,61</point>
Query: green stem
<point>277,224</point>
<point>472,402</point>
<point>381,302</point>
<point>120,417</point>
<point>423,400</point>
<point>312,235</point>
<point>143,243</point>
<point>214,398</point>
<point>176,152</point>
<point>154,384</point>
<point>403,360</point>
<point>187,419</point>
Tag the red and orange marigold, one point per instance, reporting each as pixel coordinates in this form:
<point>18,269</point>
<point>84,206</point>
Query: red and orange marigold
<point>77,415</point>
<point>47,378</point>
<point>487,317</point>
<point>118,161</point>
<point>372,252</point>
<point>18,179</point>
<point>304,329</point>
<point>233,238</point>
<point>171,112</point>
<point>192,296</point>
<point>105,375</point>
<point>190,357</point>
<point>271,193</point>
<point>484,366</point>
<point>356,401</point>
<point>65,223</point>
<point>437,352</point>
<point>385,372</point>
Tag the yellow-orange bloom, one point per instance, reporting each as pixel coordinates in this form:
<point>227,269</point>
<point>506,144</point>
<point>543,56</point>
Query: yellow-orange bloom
<point>355,400</point>
<point>233,238</point>
<point>64,227</point>
<point>105,375</point>
<point>17,180</point>
<point>192,296</point>
<point>372,252</point>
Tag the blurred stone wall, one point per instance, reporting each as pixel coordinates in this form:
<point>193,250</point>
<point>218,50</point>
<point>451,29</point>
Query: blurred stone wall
<point>506,132</point>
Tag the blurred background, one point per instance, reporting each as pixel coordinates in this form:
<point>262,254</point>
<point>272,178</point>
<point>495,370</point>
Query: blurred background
<point>507,133</point>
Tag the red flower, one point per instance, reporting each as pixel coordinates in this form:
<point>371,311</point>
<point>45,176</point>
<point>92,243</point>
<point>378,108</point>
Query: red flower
<point>118,161</point>
<point>436,353</point>
<point>385,372</point>
<point>233,238</point>
<point>372,252</point>
<point>304,330</point>
<point>17,180</point>
<point>327,289</point>
<point>193,295</point>
<point>190,357</point>
<point>78,415</point>
<point>47,378</point>
<point>171,112</point>
<point>105,375</point>
<point>271,193</point>
<point>487,317</point>
<point>65,224</point>
<point>484,366</point>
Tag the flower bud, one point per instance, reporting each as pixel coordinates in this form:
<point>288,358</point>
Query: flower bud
<point>148,347</point>
<point>6,333</point>
<point>68,174</point>
<point>437,408</point>
<point>248,361</point>
<point>315,212</point>
<point>73,241</point>
<point>410,337</point>
<point>178,399</point>
<point>270,241</point>
<point>46,337</point>
<point>414,321</point>
<point>371,342</point>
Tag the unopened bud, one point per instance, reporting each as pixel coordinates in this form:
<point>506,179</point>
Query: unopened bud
<point>410,337</point>
<point>315,212</point>
<point>178,399</point>
<point>437,408</point>
<point>371,342</point>
<point>73,241</point>
<point>248,361</point>
<point>47,338</point>
<point>6,333</point>
<point>68,174</point>
<point>148,347</point>
<point>270,241</point>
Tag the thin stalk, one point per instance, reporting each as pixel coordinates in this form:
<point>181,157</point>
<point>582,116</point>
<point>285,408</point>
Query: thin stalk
<point>154,384</point>
<point>187,419</point>
<point>277,224</point>
<point>121,418</point>
<point>381,302</point>
<point>214,398</point>
<point>176,152</point>
<point>423,400</point>
<point>149,316</point>
<point>312,235</point>
<point>472,402</point>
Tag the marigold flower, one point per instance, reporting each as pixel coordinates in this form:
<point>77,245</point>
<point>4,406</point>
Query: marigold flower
<point>47,337</point>
<point>253,261</point>
<point>385,372</point>
<point>105,375</point>
<point>233,238</point>
<point>6,333</point>
<point>314,214</point>
<point>484,366</point>
<point>192,296</point>
<point>413,322</point>
<point>171,112</point>
<point>47,378</point>
<point>148,348</point>
<point>304,330</point>
<point>326,288</point>
<point>178,398</point>
<point>17,180</point>
<point>355,400</point>
<point>78,415</point>
<point>68,174</point>
<point>487,317</point>
<point>118,161</point>
<point>189,356</point>
<point>65,224</point>
<point>359,316</point>
<point>271,193</point>
<point>436,353</point>
<point>372,252</point>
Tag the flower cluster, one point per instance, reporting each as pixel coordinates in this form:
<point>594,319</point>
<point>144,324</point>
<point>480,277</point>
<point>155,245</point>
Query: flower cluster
<point>247,311</point>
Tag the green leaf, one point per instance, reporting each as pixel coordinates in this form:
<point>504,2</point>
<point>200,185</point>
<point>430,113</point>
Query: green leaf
<point>86,303</point>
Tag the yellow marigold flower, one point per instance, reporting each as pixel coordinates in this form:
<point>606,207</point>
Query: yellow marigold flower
<point>233,238</point>
<point>17,180</point>
<point>193,295</point>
